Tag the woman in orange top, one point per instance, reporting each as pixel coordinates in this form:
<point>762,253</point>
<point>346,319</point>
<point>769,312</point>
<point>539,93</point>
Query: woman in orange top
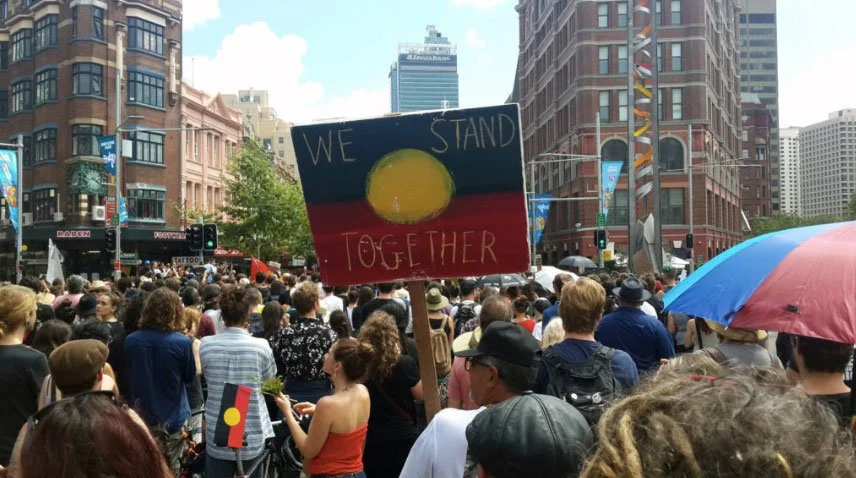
<point>337,434</point>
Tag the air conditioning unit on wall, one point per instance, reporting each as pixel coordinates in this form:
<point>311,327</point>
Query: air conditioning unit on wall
<point>99,213</point>
<point>27,219</point>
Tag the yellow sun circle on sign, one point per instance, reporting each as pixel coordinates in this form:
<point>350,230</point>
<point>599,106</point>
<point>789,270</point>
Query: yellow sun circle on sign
<point>409,186</point>
<point>232,416</point>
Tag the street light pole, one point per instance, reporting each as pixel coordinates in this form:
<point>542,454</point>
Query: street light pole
<point>117,273</point>
<point>19,198</point>
<point>599,167</point>
<point>690,187</point>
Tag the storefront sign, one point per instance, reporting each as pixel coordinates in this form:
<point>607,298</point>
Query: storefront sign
<point>228,253</point>
<point>170,235</point>
<point>186,260</point>
<point>74,234</point>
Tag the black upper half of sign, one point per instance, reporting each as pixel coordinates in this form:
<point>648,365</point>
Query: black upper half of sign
<point>480,147</point>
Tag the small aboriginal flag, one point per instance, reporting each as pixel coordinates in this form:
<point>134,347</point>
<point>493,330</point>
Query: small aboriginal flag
<point>233,416</point>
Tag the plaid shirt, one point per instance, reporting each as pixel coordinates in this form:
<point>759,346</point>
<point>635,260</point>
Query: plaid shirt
<point>234,356</point>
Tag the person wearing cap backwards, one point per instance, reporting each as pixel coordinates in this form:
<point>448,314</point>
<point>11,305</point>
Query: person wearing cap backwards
<point>630,329</point>
<point>520,433</point>
<point>76,367</point>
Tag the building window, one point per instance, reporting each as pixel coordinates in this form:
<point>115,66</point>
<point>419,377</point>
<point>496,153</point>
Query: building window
<point>145,89</point>
<point>98,23</point>
<point>145,204</point>
<point>281,140</point>
<point>45,86</point>
<point>659,57</point>
<point>659,12</point>
<point>84,140</point>
<point>677,62</point>
<point>761,153</point>
<point>602,15</point>
<point>4,103</point>
<point>672,205</point>
<point>619,209</point>
<point>622,14</point>
<point>46,32</point>
<point>44,204</point>
<point>4,9</point>
<point>44,145</point>
<point>622,59</point>
<point>603,60</point>
<point>622,105</point>
<point>88,79</point>
<point>22,99</point>
<point>677,103</point>
<point>146,36</point>
<point>676,12</point>
<point>4,55</point>
<point>22,44</point>
<point>660,93</point>
<point>148,147</point>
<point>671,155</point>
<point>615,150</point>
<point>603,102</point>
<point>74,22</point>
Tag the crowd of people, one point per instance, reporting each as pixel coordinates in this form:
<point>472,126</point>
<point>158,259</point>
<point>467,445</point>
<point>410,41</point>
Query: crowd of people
<point>595,379</point>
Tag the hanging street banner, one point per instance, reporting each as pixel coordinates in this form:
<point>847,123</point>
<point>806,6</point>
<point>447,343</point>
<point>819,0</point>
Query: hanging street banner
<point>108,152</point>
<point>539,210</point>
<point>610,170</point>
<point>9,183</point>
<point>123,211</point>
<point>416,196</point>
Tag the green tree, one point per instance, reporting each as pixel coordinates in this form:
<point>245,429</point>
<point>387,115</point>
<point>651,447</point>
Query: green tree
<point>850,210</point>
<point>784,221</point>
<point>266,212</point>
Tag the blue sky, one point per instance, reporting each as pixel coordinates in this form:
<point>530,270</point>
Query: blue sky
<point>331,58</point>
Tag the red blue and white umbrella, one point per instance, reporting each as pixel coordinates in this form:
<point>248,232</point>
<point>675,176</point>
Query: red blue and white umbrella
<point>801,281</point>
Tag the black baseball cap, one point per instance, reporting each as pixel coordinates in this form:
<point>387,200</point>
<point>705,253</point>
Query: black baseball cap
<point>468,285</point>
<point>506,341</point>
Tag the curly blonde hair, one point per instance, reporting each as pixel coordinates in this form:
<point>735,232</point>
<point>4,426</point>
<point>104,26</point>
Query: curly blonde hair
<point>381,333</point>
<point>743,423</point>
<point>17,308</point>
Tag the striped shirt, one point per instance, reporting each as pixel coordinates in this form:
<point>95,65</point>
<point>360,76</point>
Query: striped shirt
<point>234,356</point>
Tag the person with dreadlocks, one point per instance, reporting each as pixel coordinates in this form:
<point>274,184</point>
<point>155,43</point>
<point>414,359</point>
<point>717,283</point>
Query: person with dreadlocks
<point>743,423</point>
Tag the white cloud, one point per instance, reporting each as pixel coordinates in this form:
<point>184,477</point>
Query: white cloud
<point>474,40</point>
<point>197,12</point>
<point>253,56</point>
<point>482,4</point>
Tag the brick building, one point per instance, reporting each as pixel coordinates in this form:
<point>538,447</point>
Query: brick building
<point>573,63</point>
<point>756,175</point>
<point>206,153</point>
<point>57,82</point>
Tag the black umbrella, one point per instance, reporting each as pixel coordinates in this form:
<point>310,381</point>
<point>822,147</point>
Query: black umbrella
<point>501,280</point>
<point>577,261</point>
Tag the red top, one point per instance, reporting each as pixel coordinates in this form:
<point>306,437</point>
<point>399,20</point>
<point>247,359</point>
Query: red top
<point>342,453</point>
<point>527,324</point>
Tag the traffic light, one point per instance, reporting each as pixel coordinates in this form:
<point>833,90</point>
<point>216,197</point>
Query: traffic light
<point>601,239</point>
<point>195,237</point>
<point>209,237</point>
<point>689,241</point>
<point>110,238</point>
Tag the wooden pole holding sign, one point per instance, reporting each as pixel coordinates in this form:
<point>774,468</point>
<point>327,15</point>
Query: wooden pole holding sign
<point>422,334</point>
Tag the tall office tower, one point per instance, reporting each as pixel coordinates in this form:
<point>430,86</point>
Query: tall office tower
<point>425,77</point>
<point>789,160</point>
<point>828,164</point>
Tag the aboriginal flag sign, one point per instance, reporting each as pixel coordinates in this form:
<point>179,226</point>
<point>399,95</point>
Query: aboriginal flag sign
<point>233,416</point>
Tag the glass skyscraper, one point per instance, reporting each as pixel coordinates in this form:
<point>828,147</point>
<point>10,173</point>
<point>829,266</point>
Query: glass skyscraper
<point>425,77</point>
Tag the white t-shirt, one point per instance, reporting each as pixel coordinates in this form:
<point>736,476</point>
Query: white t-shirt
<point>331,303</point>
<point>649,309</point>
<point>441,450</point>
<point>476,309</point>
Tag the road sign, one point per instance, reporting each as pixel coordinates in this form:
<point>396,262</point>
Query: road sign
<point>601,220</point>
<point>116,265</point>
<point>437,194</point>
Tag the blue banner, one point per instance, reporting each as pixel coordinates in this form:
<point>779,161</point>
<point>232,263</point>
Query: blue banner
<point>610,170</point>
<point>123,211</point>
<point>9,183</point>
<point>108,152</point>
<point>539,209</point>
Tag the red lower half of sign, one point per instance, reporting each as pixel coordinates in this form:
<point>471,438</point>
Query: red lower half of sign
<point>476,235</point>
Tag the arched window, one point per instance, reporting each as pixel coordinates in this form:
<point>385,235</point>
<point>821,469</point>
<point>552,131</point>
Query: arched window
<point>671,155</point>
<point>615,150</point>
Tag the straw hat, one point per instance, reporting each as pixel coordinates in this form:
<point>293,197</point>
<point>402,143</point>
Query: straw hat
<point>739,335</point>
<point>436,301</point>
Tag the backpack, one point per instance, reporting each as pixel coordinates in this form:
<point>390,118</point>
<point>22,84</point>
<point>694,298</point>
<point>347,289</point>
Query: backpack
<point>589,386</point>
<point>465,313</point>
<point>441,349</point>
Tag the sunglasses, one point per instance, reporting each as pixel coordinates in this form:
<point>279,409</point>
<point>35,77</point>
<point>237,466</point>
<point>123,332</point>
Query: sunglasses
<point>471,362</point>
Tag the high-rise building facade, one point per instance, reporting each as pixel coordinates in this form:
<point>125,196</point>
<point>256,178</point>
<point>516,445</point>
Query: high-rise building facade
<point>759,72</point>
<point>57,81</point>
<point>573,63</point>
<point>789,173</point>
<point>756,170</point>
<point>425,76</point>
<point>828,164</point>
